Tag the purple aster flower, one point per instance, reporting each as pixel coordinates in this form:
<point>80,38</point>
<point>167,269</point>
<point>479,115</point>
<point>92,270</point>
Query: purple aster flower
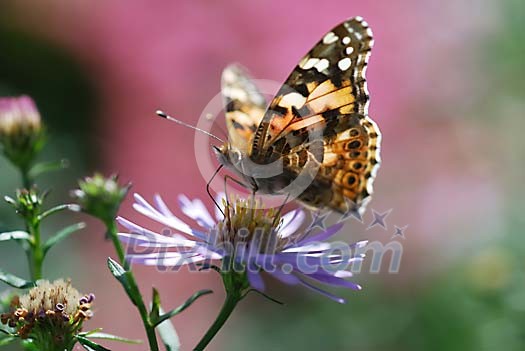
<point>243,239</point>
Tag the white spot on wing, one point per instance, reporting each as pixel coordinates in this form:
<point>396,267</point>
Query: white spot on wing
<point>330,38</point>
<point>346,40</point>
<point>349,50</point>
<point>363,74</point>
<point>235,93</point>
<point>344,64</point>
<point>228,76</point>
<point>322,65</point>
<point>292,99</point>
<point>309,63</point>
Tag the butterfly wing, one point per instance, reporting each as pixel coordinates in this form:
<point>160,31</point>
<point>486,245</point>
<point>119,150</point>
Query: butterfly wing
<point>344,179</point>
<point>244,106</point>
<point>325,100</point>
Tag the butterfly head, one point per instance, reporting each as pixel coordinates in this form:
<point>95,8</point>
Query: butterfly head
<point>228,156</point>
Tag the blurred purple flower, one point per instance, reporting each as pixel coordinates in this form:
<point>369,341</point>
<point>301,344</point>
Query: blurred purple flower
<point>247,239</point>
<point>17,112</point>
<point>21,131</point>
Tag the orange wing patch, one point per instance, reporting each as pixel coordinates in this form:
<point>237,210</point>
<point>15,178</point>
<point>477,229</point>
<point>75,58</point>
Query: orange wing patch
<point>350,165</point>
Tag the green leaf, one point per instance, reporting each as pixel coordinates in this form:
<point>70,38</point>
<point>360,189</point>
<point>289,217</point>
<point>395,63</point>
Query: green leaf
<point>96,330</point>
<point>105,336</point>
<point>7,340</point>
<point>59,208</point>
<point>181,308</point>
<point>61,235</point>
<point>169,336</point>
<point>115,268</point>
<point>90,345</point>
<point>125,280</point>
<point>15,281</point>
<point>7,333</point>
<point>16,235</point>
<point>155,306</point>
<point>29,345</point>
<point>45,167</point>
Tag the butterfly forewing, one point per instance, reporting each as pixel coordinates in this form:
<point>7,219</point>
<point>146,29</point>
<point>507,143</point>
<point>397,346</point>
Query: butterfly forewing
<point>321,113</point>
<point>325,88</point>
<point>244,106</point>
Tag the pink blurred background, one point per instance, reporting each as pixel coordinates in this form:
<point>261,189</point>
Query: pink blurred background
<point>426,80</point>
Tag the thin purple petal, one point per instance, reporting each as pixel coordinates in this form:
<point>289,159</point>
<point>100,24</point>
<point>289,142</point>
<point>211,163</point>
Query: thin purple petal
<point>159,241</point>
<point>286,278</point>
<point>196,210</point>
<point>162,207</point>
<point>326,278</point>
<point>327,234</point>
<point>323,292</point>
<point>291,222</point>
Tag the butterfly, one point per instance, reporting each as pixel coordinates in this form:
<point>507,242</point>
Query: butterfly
<point>315,140</point>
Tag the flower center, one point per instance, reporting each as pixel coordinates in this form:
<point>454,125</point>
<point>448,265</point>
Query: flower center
<point>248,222</point>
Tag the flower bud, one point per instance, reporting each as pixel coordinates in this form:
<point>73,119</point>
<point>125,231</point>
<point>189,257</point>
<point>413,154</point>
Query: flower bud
<point>100,196</point>
<point>27,203</point>
<point>21,131</point>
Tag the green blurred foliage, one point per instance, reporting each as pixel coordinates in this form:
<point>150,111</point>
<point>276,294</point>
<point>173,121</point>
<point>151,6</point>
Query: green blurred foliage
<point>506,51</point>
<point>32,66</point>
<point>478,305</point>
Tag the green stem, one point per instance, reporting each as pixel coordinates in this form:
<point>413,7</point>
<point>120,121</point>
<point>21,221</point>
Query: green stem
<point>37,254</point>
<point>27,182</point>
<point>138,300</point>
<point>112,231</point>
<point>232,299</point>
<point>34,250</point>
<point>34,258</point>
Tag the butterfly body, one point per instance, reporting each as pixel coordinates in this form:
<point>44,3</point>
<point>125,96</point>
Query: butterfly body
<point>315,140</point>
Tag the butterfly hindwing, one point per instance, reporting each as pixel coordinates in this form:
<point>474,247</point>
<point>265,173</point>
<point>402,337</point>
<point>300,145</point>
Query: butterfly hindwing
<point>244,106</point>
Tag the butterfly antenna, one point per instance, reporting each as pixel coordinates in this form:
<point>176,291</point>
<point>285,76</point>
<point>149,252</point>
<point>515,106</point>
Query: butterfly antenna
<point>168,117</point>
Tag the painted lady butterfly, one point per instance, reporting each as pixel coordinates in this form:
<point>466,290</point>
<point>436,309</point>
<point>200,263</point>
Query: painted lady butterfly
<point>317,125</point>
<point>316,130</point>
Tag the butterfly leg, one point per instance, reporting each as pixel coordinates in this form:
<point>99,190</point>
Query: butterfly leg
<point>208,190</point>
<point>274,224</point>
